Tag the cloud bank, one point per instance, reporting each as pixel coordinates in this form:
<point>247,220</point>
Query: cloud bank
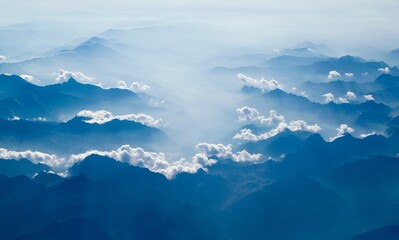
<point>34,156</point>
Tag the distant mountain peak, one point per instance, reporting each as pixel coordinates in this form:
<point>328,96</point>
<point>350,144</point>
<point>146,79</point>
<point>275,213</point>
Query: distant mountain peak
<point>351,58</point>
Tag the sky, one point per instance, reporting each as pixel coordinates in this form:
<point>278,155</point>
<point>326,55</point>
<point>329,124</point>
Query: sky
<point>338,22</point>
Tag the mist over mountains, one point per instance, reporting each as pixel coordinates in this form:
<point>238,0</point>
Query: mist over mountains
<point>189,129</point>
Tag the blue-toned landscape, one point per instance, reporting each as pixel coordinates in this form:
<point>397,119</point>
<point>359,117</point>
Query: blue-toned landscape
<point>216,120</point>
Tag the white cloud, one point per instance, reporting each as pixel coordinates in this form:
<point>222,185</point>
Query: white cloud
<point>298,125</point>
<point>342,100</point>
<point>333,75</point>
<point>342,130</point>
<point>328,97</point>
<point>2,58</point>
<point>136,87</point>
<point>34,156</point>
<point>263,84</point>
<point>64,75</point>
<point>349,75</point>
<point>155,162</point>
<point>252,115</point>
<point>104,116</point>
<point>368,97</point>
<point>385,70</point>
<point>14,118</point>
<point>350,95</point>
<point>225,152</point>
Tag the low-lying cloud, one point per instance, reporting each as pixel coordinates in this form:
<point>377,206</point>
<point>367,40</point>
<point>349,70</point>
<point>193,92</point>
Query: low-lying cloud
<point>349,96</point>
<point>64,75</point>
<point>385,70</point>
<point>251,114</point>
<point>368,97</point>
<point>34,156</point>
<point>225,152</point>
<point>262,84</point>
<point>342,130</point>
<point>104,116</point>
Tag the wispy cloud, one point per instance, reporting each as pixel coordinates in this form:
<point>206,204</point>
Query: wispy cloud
<point>349,75</point>
<point>30,78</point>
<point>136,87</point>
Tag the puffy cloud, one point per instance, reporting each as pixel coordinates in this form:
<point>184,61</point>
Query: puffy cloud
<point>104,116</point>
<point>155,162</point>
<point>328,97</point>
<point>368,97</point>
<point>2,58</point>
<point>64,75</point>
<point>333,75</point>
<point>342,130</point>
<point>34,156</point>
<point>385,70</point>
<point>252,115</point>
<point>136,87</point>
<point>349,75</point>
<point>350,95</point>
<point>298,125</point>
<point>263,84</point>
<point>225,152</point>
